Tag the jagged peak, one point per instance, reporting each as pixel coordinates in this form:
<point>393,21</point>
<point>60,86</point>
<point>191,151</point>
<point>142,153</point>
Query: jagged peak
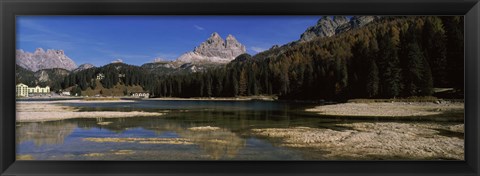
<point>41,59</point>
<point>58,52</point>
<point>231,37</point>
<point>214,39</point>
<point>214,49</point>
<point>328,26</point>
<point>340,17</point>
<point>324,18</point>
<point>39,50</point>
<point>215,35</point>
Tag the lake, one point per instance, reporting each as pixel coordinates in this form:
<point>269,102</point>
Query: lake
<point>189,130</point>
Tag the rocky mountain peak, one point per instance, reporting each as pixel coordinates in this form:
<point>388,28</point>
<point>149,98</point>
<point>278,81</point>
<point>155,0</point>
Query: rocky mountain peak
<point>38,51</point>
<point>156,60</point>
<point>329,26</point>
<point>359,21</point>
<point>214,39</point>
<point>215,35</point>
<point>41,59</point>
<point>325,27</point>
<point>231,42</point>
<point>214,50</point>
<point>83,67</point>
<point>340,20</point>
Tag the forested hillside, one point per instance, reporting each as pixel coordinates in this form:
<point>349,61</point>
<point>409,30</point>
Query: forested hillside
<point>24,76</point>
<point>114,74</point>
<point>46,77</point>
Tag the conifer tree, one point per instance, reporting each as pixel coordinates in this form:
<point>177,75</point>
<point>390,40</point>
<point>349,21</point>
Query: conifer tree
<point>434,43</point>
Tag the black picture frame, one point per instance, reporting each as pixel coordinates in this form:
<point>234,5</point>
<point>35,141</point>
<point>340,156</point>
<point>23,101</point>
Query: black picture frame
<point>11,8</point>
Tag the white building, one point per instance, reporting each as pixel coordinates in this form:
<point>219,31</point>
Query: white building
<point>100,76</point>
<point>39,90</point>
<point>141,94</point>
<point>21,90</point>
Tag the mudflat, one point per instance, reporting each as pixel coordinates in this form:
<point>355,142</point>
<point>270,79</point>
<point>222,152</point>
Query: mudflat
<point>393,109</point>
<point>376,140</point>
<point>36,111</point>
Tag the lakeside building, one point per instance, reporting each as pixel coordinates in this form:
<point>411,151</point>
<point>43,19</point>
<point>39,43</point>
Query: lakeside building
<point>141,94</point>
<point>23,90</point>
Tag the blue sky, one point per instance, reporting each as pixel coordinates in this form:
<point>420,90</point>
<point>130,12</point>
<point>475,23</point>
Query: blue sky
<point>140,39</point>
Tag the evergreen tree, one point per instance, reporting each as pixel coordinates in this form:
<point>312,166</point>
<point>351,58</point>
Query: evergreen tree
<point>372,79</point>
<point>455,50</point>
<point>390,82</point>
<point>413,59</point>
<point>434,43</point>
<point>427,84</point>
<point>242,84</point>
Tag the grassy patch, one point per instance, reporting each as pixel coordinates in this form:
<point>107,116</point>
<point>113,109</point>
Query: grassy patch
<point>25,157</point>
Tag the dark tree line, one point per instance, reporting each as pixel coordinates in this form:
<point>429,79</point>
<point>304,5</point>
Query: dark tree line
<point>114,74</point>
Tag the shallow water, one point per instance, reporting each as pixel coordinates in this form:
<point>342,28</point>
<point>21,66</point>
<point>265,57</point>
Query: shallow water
<point>172,136</point>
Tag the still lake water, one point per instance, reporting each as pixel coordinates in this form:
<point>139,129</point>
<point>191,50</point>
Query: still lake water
<point>68,139</point>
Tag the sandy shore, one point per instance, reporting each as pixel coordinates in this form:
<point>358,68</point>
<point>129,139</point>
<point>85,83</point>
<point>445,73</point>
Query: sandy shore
<point>248,98</point>
<point>75,101</point>
<point>35,111</point>
<point>373,141</point>
<point>395,109</point>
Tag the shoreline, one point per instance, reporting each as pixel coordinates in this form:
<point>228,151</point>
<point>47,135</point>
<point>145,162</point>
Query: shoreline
<point>388,110</point>
<point>41,111</point>
<point>444,111</point>
<point>245,98</point>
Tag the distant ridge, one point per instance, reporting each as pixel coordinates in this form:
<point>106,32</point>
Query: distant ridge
<point>41,59</point>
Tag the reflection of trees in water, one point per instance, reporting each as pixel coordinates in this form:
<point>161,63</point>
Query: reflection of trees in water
<point>220,143</point>
<point>42,133</point>
<point>233,120</point>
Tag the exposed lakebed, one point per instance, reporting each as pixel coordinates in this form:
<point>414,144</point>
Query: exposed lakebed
<point>233,130</point>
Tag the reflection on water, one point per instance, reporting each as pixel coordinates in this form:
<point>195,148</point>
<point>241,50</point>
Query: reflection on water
<point>44,133</point>
<point>191,130</point>
<point>217,143</point>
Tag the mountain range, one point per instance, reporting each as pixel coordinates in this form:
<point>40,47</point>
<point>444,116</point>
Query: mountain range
<point>41,66</point>
<point>214,50</point>
<point>41,59</point>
